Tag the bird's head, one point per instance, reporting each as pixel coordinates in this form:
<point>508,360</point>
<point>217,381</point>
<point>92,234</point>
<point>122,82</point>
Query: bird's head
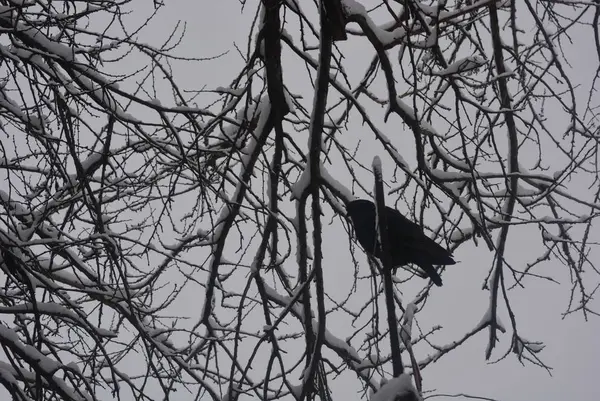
<point>359,208</point>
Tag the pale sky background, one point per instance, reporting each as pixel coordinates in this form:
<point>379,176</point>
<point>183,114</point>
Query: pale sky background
<point>572,345</point>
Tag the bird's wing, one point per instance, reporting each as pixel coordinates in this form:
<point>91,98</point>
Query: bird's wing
<point>422,250</point>
<point>412,245</point>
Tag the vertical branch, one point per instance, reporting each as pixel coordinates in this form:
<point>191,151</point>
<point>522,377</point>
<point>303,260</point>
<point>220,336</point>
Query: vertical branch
<point>303,278</point>
<point>280,107</point>
<point>336,20</point>
<point>272,38</point>
<point>512,179</point>
<point>387,268</point>
<point>314,165</point>
<point>277,109</point>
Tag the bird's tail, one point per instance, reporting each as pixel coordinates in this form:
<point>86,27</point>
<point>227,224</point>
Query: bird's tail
<point>432,274</point>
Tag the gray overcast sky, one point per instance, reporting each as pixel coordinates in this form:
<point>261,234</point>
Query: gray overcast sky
<point>572,345</point>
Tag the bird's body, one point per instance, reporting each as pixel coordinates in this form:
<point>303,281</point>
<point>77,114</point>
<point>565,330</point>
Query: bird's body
<point>407,242</point>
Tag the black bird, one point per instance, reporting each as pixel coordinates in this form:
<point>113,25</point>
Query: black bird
<point>407,242</point>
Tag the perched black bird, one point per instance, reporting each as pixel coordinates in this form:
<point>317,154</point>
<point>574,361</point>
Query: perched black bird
<point>407,242</point>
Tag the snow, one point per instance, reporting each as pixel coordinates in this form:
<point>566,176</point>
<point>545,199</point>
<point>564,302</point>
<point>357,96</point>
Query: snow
<point>7,377</point>
<point>89,282</point>
<point>91,161</point>
<point>535,347</point>
<point>398,158</point>
<point>300,186</point>
<point>464,65</point>
<point>233,390</point>
<point>140,147</point>
<point>426,128</point>
<point>535,178</point>
<point>371,361</point>
<point>406,332</point>
<point>186,109</point>
<point>254,268</point>
<point>336,343</point>
<point>264,110</point>
<point>395,387</point>
<point>11,371</point>
<point>429,42</point>
<point>23,3</point>
<point>522,344</point>
<point>455,187</point>
<point>289,100</point>
<point>487,319</point>
<point>46,365</point>
<point>54,309</point>
<point>90,81</point>
<point>547,236</point>
<point>451,175</point>
<point>283,299</point>
<point>506,74</point>
<point>376,163</point>
<point>296,391</point>
<point>339,187</point>
<point>231,91</point>
<point>352,7</point>
<point>10,105</point>
<point>457,163</point>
